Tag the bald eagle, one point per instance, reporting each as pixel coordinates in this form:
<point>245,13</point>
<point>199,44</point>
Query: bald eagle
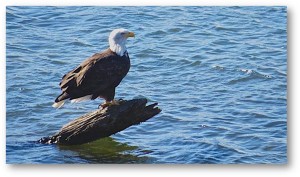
<point>99,75</point>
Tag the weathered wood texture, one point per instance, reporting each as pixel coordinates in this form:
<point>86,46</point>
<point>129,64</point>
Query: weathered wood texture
<point>103,122</point>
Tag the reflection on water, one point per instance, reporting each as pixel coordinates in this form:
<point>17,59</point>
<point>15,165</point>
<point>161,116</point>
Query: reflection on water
<point>105,150</point>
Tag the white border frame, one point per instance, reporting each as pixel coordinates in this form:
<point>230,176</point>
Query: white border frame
<point>166,170</point>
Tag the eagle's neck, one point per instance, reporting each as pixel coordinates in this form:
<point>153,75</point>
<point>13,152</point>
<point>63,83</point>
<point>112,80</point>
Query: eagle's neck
<point>118,48</point>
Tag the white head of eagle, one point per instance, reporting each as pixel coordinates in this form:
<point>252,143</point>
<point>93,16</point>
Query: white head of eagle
<point>117,40</point>
<point>99,75</point>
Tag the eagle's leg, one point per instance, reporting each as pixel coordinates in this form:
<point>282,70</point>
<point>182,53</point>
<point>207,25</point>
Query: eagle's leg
<point>109,103</point>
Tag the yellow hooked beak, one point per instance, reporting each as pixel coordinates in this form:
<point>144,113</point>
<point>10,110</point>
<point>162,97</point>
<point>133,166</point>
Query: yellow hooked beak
<point>130,34</point>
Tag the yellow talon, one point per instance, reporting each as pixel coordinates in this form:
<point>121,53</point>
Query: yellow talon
<point>110,103</point>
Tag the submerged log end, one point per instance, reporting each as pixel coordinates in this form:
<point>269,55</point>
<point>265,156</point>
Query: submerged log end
<point>104,122</point>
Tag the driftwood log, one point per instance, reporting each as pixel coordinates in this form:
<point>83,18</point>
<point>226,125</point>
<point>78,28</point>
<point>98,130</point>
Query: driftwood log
<point>103,122</point>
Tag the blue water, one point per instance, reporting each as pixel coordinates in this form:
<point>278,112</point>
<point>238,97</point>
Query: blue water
<point>219,75</point>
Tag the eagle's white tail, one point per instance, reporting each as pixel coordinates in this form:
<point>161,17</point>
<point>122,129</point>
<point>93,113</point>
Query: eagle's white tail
<point>84,98</point>
<point>58,104</point>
